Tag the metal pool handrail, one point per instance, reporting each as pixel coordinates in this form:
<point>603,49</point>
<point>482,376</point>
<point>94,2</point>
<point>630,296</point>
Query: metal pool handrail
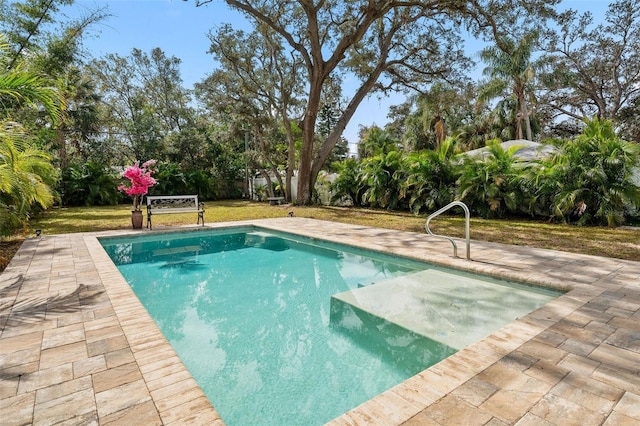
<point>466,214</point>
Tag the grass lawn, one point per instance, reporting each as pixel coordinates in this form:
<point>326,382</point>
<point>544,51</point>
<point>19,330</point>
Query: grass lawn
<point>623,243</point>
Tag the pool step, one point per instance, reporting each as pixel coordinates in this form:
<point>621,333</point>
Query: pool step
<point>266,241</point>
<point>391,343</point>
<point>177,250</point>
<point>453,309</point>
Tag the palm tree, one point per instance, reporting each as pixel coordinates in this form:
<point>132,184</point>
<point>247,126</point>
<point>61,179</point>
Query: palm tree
<point>79,119</point>
<point>594,177</point>
<point>510,69</point>
<point>430,177</point>
<point>376,141</point>
<point>382,175</point>
<point>347,185</point>
<point>489,185</point>
<point>26,178</point>
<point>19,88</point>
<point>26,173</point>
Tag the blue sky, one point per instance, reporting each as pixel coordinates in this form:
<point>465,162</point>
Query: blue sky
<point>180,29</point>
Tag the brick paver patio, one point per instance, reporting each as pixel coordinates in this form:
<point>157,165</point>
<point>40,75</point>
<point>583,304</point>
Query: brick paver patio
<point>77,347</point>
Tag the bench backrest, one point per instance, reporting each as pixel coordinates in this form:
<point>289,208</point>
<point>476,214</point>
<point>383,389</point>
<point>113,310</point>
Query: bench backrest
<point>157,202</point>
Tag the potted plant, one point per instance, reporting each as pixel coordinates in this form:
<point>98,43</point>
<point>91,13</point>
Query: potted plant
<point>140,181</point>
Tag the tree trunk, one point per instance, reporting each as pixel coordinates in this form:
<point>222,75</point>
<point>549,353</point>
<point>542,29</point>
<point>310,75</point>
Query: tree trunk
<point>291,156</point>
<point>290,168</point>
<point>62,146</point>
<point>306,180</point>
<point>440,130</point>
<point>276,173</point>
<point>519,124</point>
<point>527,121</point>
<point>266,177</point>
<point>334,136</point>
<point>307,177</point>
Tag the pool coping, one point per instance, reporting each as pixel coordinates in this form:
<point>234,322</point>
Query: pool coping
<point>109,351</point>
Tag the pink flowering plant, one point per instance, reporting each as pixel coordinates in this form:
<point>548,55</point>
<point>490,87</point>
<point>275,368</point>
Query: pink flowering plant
<point>141,181</point>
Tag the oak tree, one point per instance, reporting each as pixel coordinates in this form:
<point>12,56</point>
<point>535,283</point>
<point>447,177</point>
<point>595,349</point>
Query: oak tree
<point>592,70</point>
<point>258,88</point>
<point>386,45</point>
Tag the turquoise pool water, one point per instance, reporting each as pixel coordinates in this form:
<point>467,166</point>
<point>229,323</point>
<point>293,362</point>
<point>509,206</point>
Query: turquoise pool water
<point>282,330</point>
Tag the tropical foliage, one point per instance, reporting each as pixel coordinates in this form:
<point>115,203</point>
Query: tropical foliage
<point>172,179</point>
<point>26,178</point>
<point>511,73</point>
<point>381,176</point>
<point>592,179</point>
<point>346,187</point>
<point>488,183</point>
<point>430,177</point>
<point>89,184</point>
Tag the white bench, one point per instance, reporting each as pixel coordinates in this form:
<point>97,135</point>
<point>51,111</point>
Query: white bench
<point>275,200</point>
<point>163,204</point>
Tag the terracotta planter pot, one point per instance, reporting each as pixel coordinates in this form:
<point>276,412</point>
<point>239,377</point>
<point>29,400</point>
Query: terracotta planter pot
<point>136,219</point>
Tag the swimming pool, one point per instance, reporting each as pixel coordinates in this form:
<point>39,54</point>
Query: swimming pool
<point>280,329</point>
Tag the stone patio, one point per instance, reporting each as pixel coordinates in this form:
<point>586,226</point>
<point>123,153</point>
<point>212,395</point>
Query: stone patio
<point>77,347</point>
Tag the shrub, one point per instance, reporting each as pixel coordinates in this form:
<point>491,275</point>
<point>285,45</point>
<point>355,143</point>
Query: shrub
<point>591,177</point>
<point>89,184</point>
<point>430,177</point>
<point>489,184</point>
<point>347,185</point>
<point>26,178</point>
